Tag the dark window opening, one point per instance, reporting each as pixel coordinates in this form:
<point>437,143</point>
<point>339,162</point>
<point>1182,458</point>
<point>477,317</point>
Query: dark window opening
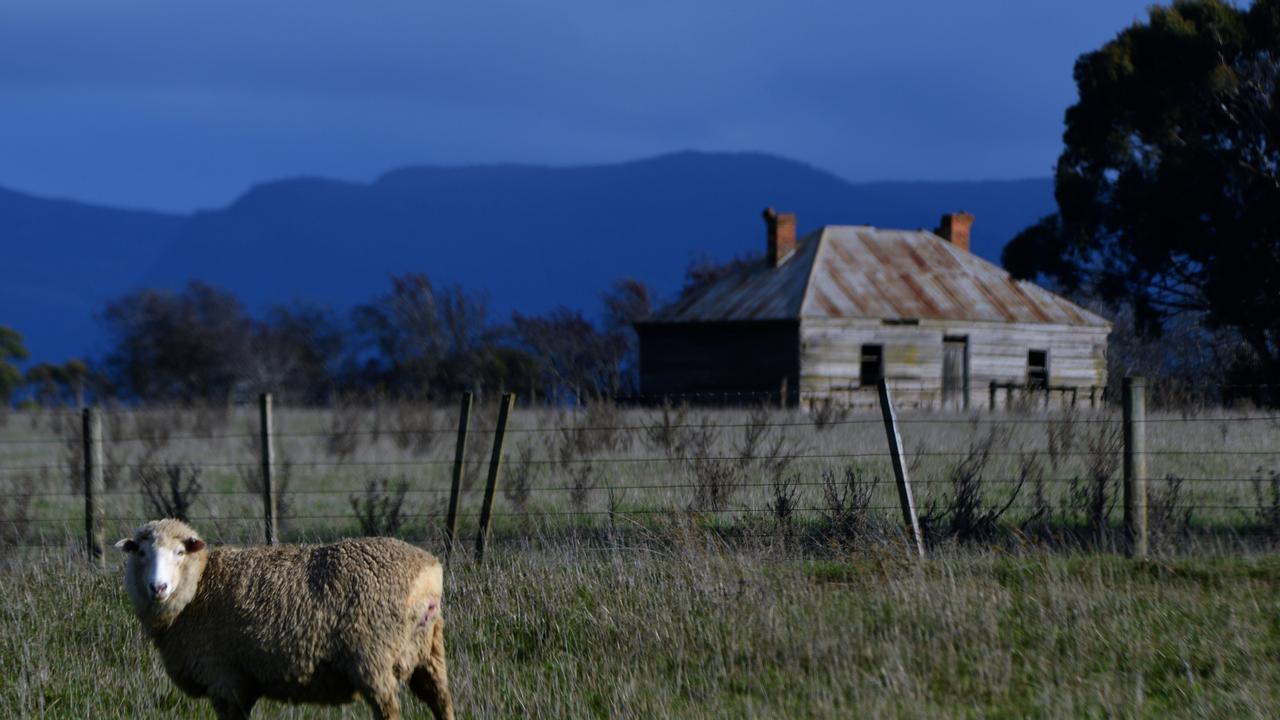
<point>1038,368</point>
<point>872,365</point>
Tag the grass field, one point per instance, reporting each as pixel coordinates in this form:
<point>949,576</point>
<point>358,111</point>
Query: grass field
<point>645,566</point>
<point>700,631</point>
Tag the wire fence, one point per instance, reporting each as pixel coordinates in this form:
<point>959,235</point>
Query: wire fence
<point>741,472</point>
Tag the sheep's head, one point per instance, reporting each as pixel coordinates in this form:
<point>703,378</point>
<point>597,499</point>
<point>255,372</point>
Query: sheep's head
<point>163,563</point>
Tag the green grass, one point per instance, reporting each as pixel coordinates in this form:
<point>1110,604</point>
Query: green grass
<point>692,629</point>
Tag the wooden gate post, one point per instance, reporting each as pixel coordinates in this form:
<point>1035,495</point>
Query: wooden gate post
<point>908,502</point>
<point>459,459</point>
<point>93,485</point>
<point>270,504</point>
<point>1135,466</point>
<point>495,465</point>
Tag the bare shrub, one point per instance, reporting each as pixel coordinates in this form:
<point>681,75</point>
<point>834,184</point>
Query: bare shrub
<point>16,495</point>
<point>342,429</point>
<point>967,514</point>
<point>846,504</point>
<point>603,419</point>
<point>1097,497</point>
<point>170,490</point>
<point>413,427</point>
<point>827,413</point>
<point>208,418</point>
<point>782,505</point>
<point>380,509</point>
<point>1061,437</point>
<point>1169,510</point>
<point>1031,471</point>
<point>665,432</point>
<point>281,475</point>
<point>518,487</point>
<point>715,479</point>
<point>68,427</point>
<point>154,429</point>
<point>762,450</point>
<point>1266,493</point>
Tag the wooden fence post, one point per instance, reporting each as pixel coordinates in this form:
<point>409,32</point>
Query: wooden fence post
<point>908,503</point>
<point>266,438</point>
<point>459,458</point>
<point>1135,466</point>
<point>93,485</point>
<point>495,465</point>
<point>991,393</point>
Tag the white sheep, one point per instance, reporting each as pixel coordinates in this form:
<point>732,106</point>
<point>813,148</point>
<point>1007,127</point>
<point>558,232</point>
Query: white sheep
<point>299,623</point>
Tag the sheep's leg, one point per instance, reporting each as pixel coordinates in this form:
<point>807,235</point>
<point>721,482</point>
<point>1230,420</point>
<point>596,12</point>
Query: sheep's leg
<point>429,681</point>
<point>385,703</point>
<point>233,705</point>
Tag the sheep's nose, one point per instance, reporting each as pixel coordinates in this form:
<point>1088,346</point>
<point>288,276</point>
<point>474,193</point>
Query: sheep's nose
<point>159,588</point>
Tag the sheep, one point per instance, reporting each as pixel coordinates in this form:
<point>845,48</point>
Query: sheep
<point>300,623</point>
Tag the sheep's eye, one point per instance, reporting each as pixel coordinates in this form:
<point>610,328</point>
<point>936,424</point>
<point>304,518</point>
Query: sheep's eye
<point>181,552</point>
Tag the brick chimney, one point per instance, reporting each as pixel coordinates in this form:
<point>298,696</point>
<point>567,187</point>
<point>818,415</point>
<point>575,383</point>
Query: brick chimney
<point>955,229</point>
<point>781,234</point>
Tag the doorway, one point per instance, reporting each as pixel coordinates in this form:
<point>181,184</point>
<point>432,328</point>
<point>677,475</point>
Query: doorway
<point>955,373</point>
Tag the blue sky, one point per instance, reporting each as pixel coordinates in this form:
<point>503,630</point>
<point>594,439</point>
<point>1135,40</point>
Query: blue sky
<point>176,106</point>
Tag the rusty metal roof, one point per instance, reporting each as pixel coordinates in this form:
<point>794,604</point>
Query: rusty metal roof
<point>867,272</point>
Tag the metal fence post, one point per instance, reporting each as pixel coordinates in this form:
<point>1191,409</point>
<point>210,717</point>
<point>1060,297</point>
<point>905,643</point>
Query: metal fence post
<point>269,502</point>
<point>495,465</point>
<point>1135,466</point>
<point>909,517</point>
<point>93,484</point>
<point>459,458</point>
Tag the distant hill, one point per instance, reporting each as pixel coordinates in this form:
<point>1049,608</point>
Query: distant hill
<point>531,237</point>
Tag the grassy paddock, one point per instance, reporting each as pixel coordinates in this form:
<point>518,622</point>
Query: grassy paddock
<point>690,628</point>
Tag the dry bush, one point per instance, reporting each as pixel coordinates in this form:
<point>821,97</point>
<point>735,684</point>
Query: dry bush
<point>281,474</point>
<point>782,504</point>
<point>1266,493</point>
<point>1061,437</point>
<point>846,504</point>
<point>965,514</point>
<point>827,413</point>
<point>342,430</point>
<point>578,443</point>
<point>380,509</point>
<point>1095,494</point>
<point>1169,510</point>
<point>715,479</point>
<point>16,495</point>
<point>520,478</point>
<point>1031,471</point>
<point>666,431</point>
<point>170,490</point>
<point>153,429</point>
<point>413,427</point>
<point>208,418</point>
<point>69,428</point>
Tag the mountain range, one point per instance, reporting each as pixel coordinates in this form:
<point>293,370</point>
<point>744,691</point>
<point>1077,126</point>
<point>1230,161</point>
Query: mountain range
<point>529,237</point>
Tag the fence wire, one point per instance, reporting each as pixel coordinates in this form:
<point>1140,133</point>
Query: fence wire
<point>349,470</point>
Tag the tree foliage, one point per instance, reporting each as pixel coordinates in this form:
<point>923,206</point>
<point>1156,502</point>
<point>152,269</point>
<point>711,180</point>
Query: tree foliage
<point>11,349</point>
<point>1168,187</point>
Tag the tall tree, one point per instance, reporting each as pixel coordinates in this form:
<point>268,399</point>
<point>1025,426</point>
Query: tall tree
<point>169,346</point>
<point>1168,187</point>
<point>11,350</point>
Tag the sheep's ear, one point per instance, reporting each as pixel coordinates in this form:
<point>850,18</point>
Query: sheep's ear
<point>193,544</point>
<point>127,545</point>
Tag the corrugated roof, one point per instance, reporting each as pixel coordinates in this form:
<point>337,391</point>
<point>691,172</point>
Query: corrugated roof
<point>866,272</point>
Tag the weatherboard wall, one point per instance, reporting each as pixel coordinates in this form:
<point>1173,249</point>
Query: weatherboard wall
<point>831,355</point>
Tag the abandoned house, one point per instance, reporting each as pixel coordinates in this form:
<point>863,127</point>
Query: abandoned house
<point>822,319</point>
